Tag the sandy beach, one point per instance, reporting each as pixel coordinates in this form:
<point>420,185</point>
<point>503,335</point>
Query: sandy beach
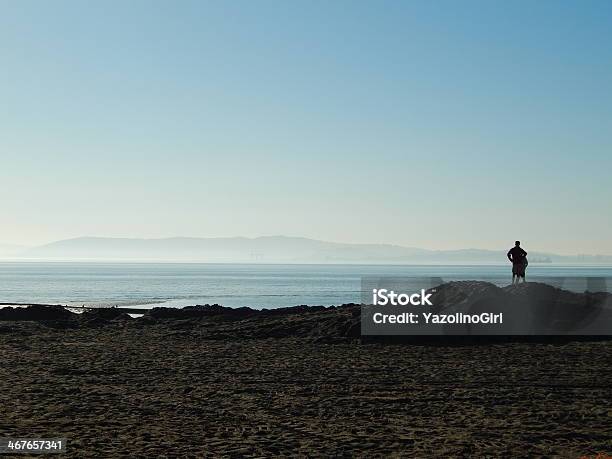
<point>220,382</point>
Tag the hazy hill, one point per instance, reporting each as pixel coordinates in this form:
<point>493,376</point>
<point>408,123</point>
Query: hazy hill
<point>272,249</point>
<point>10,250</point>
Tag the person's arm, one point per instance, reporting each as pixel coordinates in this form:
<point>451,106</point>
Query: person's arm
<point>509,254</point>
<point>524,253</point>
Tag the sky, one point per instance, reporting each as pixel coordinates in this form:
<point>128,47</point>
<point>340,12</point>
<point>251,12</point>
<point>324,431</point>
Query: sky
<point>439,125</point>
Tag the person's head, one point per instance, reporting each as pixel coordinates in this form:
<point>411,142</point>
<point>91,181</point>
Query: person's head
<point>517,243</point>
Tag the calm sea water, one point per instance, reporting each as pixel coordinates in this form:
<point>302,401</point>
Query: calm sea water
<point>254,285</point>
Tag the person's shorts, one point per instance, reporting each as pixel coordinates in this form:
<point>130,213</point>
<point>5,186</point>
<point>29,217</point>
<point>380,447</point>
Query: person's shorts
<point>519,269</point>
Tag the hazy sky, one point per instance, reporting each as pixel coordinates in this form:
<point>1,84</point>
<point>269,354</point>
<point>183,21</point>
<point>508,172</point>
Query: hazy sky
<point>434,124</point>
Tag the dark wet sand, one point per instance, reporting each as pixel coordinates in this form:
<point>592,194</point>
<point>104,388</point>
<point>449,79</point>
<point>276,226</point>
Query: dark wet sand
<point>179,388</point>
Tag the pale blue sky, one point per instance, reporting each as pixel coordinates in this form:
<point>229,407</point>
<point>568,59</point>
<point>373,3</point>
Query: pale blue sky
<point>438,124</point>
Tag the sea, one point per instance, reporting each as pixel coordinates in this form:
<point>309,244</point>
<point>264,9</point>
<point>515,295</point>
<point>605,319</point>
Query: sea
<point>147,285</point>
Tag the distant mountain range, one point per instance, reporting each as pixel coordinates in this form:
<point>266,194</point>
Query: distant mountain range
<point>10,250</point>
<point>271,249</point>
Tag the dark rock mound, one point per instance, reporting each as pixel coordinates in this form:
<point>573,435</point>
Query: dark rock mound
<point>201,311</point>
<point>301,309</point>
<point>458,291</point>
<point>100,317</point>
<point>36,313</point>
<point>105,313</point>
<point>562,310</point>
<point>225,313</point>
<point>472,294</point>
<point>329,325</point>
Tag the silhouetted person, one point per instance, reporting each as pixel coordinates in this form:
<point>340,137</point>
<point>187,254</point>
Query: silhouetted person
<point>518,257</point>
